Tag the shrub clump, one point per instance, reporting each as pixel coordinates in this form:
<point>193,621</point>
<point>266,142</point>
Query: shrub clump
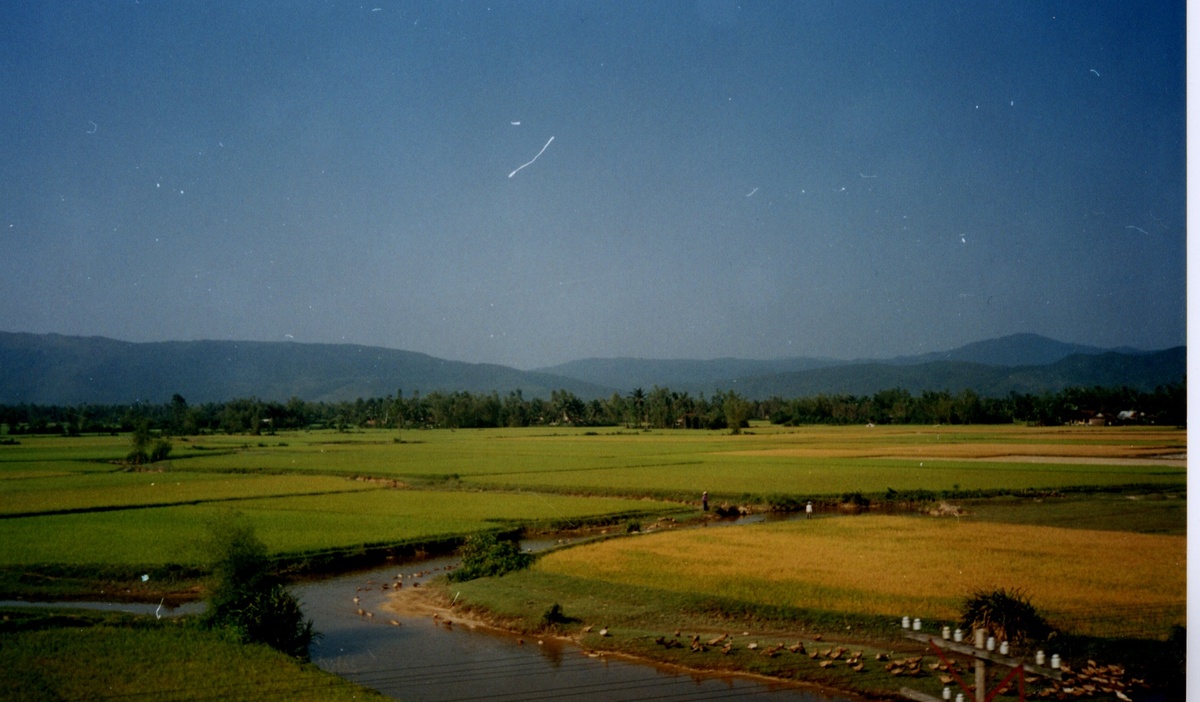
<point>487,555</point>
<point>554,616</point>
<point>161,450</point>
<point>784,503</point>
<point>1008,616</point>
<point>246,597</point>
<point>144,448</point>
<point>855,502</point>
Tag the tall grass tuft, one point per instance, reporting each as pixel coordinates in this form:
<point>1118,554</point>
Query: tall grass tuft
<point>1006,615</point>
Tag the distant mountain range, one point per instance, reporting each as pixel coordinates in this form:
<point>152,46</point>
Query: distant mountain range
<point>1024,363</point>
<point>1143,371</point>
<point>1014,350</point>
<point>56,369</point>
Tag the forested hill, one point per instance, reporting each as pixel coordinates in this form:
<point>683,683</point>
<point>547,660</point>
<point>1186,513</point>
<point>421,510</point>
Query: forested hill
<point>1140,371</point>
<point>1022,363</point>
<point>1012,350</point>
<point>51,369</point>
<point>55,369</point>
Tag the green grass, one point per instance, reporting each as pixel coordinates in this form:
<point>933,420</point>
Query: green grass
<point>635,616</point>
<point>83,449</point>
<point>427,455</point>
<point>157,536</point>
<point>1139,513</point>
<point>731,477</point>
<point>678,464</point>
<point>812,461</point>
<point>46,656</point>
<point>93,491</point>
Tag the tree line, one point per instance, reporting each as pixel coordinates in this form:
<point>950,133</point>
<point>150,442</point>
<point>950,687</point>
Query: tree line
<point>657,408</point>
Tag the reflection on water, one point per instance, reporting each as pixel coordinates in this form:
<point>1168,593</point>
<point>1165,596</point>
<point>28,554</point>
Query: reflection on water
<point>420,659</point>
<point>423,660</point>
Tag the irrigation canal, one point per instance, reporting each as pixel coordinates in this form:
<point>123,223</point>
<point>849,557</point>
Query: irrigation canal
<point>422,660</point>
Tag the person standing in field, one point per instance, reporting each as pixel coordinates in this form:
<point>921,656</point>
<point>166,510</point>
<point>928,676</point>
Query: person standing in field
<point>704,501</point>
<point>808,510</point>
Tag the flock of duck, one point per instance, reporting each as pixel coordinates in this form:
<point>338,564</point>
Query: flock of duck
<point>397,583</point>
<point>725,644</point>
<point>1088,681</point>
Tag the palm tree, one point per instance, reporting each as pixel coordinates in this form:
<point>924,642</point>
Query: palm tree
<point>639,399</point>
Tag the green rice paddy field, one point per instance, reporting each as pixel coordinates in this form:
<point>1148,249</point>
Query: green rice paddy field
<point>71,503</point>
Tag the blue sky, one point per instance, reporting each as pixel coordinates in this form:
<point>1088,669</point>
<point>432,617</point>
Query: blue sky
<point>751,179</point>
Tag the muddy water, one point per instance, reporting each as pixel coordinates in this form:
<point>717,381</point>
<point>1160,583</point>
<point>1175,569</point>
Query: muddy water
<point>423,660</point>
<point>420,659</point>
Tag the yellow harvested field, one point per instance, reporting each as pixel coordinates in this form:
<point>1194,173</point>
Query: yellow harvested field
<point>896,565</point>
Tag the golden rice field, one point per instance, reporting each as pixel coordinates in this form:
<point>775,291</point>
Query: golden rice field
<point>895,566</point>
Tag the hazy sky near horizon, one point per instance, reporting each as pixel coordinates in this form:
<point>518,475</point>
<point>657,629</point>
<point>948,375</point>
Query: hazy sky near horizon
<point>529,183</point>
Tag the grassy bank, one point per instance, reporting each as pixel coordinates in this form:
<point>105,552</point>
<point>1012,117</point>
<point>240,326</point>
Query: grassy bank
<point>794,644</point>
<point>48,655</point>
<point>634,619</point>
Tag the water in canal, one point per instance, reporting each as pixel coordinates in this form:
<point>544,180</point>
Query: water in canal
<point>422,660</point>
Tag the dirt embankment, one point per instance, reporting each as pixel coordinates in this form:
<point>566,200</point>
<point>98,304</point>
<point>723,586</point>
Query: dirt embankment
<point>428,602</point>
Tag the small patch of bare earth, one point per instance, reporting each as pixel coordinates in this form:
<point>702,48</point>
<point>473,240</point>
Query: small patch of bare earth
<point>945,509</point>
<point>426,602</point>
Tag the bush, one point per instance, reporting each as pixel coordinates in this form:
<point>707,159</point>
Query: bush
<point>486,555</point>
<point>784,503</point>
<point>139,442</point>
<point>1008,616</point>
<point>633,526</point>
<point>160,451</point>
<point>246,597</point>
<point>856,502</point>
<point>553,616</point>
